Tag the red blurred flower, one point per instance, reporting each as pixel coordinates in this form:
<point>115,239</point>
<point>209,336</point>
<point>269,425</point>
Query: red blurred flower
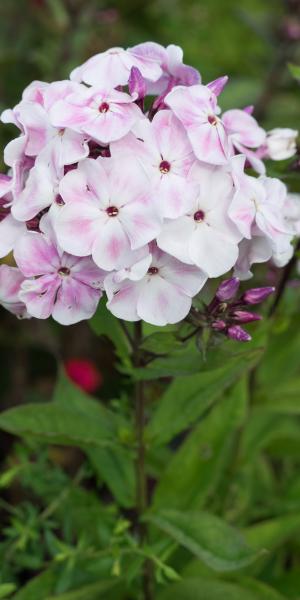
<point>84,373</point>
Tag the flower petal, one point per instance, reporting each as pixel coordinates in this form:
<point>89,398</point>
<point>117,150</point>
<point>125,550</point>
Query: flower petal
<point>211,251</point>
<point>35,255</point>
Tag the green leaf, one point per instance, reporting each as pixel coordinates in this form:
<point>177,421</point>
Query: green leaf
<point>273,533</point>
<point>116,469</point>
<point>204,455</point>
<point>206,589</point>
<point>160,342</point>
<point>70,397</point>
<point>284,398</point>
<point>281,359</point>
<point>294,70</point>
<point>56,425</point>
<point>115,466</point>
<point>187,398</point>
<point>6,589</point>
<point>38,587</point>
<point>93,591</point>
<point>104,323</point>
<point>265,427</point>
<point>206,536</point>
<point>187,360</point>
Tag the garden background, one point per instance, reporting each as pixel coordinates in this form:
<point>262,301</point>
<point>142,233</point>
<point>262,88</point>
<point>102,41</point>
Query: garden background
<point>57,509</point>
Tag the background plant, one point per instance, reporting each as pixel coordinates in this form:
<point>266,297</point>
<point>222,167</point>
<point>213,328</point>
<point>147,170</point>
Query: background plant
<point>222,438</point>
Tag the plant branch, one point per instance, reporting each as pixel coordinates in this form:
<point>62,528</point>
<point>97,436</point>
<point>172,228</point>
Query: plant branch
<point>141,477</point>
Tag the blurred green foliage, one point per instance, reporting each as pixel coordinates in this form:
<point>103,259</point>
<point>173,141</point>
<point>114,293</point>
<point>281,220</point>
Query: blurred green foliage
<point>66,512</point>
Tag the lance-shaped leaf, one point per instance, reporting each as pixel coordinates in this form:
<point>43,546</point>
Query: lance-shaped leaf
<point>206,536</point>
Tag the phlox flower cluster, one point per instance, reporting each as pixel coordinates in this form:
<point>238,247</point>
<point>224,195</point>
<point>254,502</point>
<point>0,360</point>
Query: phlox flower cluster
<point>127,179</point>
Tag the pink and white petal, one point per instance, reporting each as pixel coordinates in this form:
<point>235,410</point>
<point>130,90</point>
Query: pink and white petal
<point>59,90</point>
<point>10,231</point>
<point>10,283</point>
<point>123,298</point>
<point>211,251</point>
<point>209,143</point>
<point>5,185</point>
<point>35,255</point>
<point>244,127</point>
<point>14,150</point>
<point>103,69</point>
<point>97,178</point>
<point>174,238</point>
<point>173,196</point>
<point>252,158</point>
<point>35,91</point>
<point>215,184</point>
<point>187,278</point>
<point>85,271</point>
<point>39,295</point>
<point>73,186</point>
<point>111,247</point>
<point>188,103</point>
<point>75,302</point>
<point>37,194</point>
<point>256,250</point>
<point>149,67</point>
<point>66,114</point>
<point>70,147</point>
<point>114,124</point>
<point>242,212</point>
<point>140,222</point>
<point>77,226</point>
<point>170,135</point>
<point>161,302</point>
<point>127,182</point>
<point>37,126</point>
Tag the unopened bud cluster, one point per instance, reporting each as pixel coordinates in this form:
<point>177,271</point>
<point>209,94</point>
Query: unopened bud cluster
<point>226,313</point>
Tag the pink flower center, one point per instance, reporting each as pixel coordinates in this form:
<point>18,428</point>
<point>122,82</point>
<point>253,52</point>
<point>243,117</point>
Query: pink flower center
<point>212,119</point>
<point>199,215</point>
<point>164,166</point>
<point>153,270</point>
<point>112,211</point>
<point>64,271</point>
<point>104,107</point>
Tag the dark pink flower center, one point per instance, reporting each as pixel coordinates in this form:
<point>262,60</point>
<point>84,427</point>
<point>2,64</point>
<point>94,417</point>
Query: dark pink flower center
<point>112,211</point>
<point>212,119</point>
<point>104,107</point>
<point>59,200</point>
<point>64,271</point>
<point>153,270</point>
<point>164,166</point>
<point>199,215</point>
<point>4,212</point>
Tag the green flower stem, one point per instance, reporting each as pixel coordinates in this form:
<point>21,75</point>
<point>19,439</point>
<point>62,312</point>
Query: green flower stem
<point>141,477</point>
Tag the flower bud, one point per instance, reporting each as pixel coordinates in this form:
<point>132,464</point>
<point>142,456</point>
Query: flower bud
<point>257,295</point>
<point>235,332</point>
<point>281,143</point>
<point>218,85</point>
<point>218,325</point>
<point>243,316</point>
<point>136,84</point>
<point>249,109</point>
<point>227,289</point>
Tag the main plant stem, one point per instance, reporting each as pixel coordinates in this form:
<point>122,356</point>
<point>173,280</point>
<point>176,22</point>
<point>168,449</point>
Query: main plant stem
<point>141,477</point>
